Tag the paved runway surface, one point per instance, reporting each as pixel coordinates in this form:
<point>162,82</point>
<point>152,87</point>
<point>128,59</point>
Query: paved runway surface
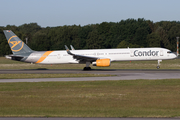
<point>89,118</point>
<point>121,74</point>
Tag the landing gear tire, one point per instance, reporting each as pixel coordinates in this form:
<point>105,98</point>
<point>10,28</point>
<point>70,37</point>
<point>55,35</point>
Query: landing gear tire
<point>87,68</point>
<point>158,67</point>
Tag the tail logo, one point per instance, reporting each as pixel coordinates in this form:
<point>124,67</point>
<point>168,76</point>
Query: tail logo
<point>16,45</point>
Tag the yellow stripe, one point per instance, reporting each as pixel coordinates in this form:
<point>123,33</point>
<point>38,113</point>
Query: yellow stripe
<point>44,56</point>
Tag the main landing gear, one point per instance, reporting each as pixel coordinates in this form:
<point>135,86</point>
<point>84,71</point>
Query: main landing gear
<point>87,66</point>
<point>158,65</point>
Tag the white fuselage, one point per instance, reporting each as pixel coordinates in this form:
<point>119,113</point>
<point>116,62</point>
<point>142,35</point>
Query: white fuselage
<point>97,57</point>
<point>128,54</point>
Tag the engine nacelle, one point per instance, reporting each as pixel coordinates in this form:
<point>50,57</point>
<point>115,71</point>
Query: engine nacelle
<point>102,63</point>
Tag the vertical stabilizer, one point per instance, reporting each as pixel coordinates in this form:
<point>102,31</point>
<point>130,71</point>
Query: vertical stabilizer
<point>16,44</point>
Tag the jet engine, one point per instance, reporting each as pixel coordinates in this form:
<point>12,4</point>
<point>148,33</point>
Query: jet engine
<point>102,63</point>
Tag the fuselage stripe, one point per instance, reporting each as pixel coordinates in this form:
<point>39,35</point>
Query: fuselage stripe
<point>44,56</point>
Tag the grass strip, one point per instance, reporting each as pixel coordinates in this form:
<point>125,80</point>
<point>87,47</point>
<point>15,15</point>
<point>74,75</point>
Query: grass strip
<point>134,98</point>
<point>21,76</point>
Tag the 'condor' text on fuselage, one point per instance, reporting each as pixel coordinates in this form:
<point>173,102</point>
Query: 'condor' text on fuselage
<point>145,53</point>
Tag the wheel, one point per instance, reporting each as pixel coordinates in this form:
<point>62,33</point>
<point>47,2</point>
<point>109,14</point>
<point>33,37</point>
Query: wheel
<point>87,68</point>
<point>158,67</point>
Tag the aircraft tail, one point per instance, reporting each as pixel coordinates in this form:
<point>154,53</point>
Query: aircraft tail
<point>16,44</point>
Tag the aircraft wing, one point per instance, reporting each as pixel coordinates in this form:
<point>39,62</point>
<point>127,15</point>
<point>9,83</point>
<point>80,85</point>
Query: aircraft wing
<point>84,58</point>
<point>81,58</point>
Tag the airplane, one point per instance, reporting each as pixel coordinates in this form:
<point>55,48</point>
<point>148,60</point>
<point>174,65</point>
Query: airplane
<point>96,57</point>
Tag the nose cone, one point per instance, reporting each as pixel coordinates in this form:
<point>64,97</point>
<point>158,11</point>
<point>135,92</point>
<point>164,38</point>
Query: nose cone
<point>174,55</point>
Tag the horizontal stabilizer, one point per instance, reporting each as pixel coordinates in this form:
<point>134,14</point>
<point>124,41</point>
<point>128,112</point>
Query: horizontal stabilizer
<point>14,57</point>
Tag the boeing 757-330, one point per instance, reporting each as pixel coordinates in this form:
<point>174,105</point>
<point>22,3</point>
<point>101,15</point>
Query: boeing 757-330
<point>96,57</point>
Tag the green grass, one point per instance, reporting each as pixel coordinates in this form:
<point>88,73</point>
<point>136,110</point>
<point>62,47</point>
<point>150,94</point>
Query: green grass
<point>165,64</point>
<point>19,76</point>
<point>134,98</point>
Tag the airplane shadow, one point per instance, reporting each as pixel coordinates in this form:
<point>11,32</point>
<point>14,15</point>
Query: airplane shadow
<point>39,69</point>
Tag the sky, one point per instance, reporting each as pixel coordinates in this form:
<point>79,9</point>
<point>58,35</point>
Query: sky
<point>83,12</point>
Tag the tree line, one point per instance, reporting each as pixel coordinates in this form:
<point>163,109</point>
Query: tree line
<point>125,33</point>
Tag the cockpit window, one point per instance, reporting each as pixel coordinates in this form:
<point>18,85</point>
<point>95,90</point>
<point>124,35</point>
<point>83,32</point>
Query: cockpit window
<point>169,52</point>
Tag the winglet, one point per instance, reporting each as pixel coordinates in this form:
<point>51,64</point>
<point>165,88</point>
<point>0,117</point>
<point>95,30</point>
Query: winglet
<point>68,51</point>
<point>72,48</point>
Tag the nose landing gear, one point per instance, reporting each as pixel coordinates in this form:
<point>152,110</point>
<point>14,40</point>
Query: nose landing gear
<point>158,65</point>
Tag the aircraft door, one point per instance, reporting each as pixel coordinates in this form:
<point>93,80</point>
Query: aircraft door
<point>161,53</point>
<point>132,53</point>
<point>59,56</point>
<point>32,56</point>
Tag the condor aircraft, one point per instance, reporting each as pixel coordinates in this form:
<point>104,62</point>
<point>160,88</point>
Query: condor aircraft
<point>96,57</point>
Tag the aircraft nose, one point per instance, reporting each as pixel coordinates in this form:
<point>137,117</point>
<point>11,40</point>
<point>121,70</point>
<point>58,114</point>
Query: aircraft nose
<point>174,55</point>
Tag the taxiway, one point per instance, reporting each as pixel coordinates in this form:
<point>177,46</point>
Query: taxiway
<point>121,74</point>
